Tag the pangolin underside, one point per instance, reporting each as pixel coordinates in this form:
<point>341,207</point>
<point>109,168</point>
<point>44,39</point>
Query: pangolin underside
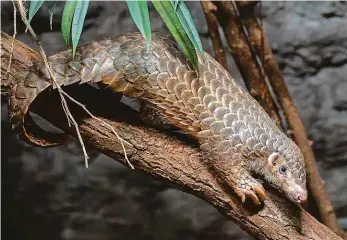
<point>237,136</point>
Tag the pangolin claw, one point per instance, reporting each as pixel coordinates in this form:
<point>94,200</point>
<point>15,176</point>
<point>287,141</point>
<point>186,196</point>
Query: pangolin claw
<point>253,190</point>
<point>254,197</point>
<point>243,197</point>
<point>260,192</point>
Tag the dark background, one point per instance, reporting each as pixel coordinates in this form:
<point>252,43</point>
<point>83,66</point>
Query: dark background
<point>48,194</point>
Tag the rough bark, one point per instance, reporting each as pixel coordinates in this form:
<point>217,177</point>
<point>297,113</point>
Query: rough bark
<point>219,53</point>
<point>315,183</point>
<point>170,158</point>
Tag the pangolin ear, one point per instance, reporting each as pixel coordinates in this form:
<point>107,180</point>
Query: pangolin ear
<point>272,159</point>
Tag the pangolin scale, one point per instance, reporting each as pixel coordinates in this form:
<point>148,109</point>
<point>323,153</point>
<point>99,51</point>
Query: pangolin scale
<point>237,136</point>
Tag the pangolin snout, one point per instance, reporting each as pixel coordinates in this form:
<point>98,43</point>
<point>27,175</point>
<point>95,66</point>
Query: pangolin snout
<point>297,193</point>
<point>301,195</point>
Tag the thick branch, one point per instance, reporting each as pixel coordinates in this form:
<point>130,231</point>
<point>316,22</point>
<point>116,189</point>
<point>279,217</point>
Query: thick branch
<point>175,161</point>
<point>212,23</point>
<point>316,185</point>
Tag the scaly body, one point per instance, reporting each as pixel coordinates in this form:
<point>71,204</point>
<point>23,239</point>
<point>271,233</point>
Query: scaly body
<point>237,136</point>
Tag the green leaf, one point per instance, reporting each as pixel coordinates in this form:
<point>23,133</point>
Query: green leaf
<point>77,23</point>
<point>51,6</point>
<point>66,20</point>
<point>167,13</point>
<point>176,3</point>
<point>188,25</point>
<point>34,7</point>
<point>139,12</point>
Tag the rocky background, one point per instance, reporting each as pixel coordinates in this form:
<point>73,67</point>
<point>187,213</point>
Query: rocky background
<point>48,194</point>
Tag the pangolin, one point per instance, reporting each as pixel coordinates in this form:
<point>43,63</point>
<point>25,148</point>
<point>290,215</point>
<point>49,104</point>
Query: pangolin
<point>237,137</point>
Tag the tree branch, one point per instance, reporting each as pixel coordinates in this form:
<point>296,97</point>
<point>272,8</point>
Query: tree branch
<point>169,158</point>
<point>209,10</point>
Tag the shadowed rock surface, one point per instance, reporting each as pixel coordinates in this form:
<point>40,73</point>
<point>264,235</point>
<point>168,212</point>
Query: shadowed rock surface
<point>49,193</point>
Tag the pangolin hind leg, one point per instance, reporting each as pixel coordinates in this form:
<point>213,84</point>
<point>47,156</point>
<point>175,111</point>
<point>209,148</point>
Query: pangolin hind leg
<point>148,113</point>
<point>153,117</point>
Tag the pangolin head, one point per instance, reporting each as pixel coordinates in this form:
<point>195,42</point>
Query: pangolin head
<point>287,172</point>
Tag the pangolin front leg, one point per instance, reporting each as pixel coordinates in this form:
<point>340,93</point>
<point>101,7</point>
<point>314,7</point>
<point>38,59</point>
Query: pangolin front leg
<point>246,186</point>
<point>232,170</point>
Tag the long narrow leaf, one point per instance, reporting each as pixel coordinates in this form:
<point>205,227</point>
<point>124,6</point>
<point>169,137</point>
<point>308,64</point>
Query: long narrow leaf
<point>167,13</point>
<point>139,12</point>
<point>51,6</point>
<point>66,20</point>
<point>188,25</point>
<point>78,21</point>
<point>176,3</point>
<point>34,7</point>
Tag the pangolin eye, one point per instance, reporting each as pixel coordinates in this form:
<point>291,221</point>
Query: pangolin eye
<point>283,169</point>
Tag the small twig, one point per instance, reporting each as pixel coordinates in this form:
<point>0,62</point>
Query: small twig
<point>22,11</point>
<point>122,141</point>
<point>13,38</point>
<point>62,93</point>
<point>72,119</point>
